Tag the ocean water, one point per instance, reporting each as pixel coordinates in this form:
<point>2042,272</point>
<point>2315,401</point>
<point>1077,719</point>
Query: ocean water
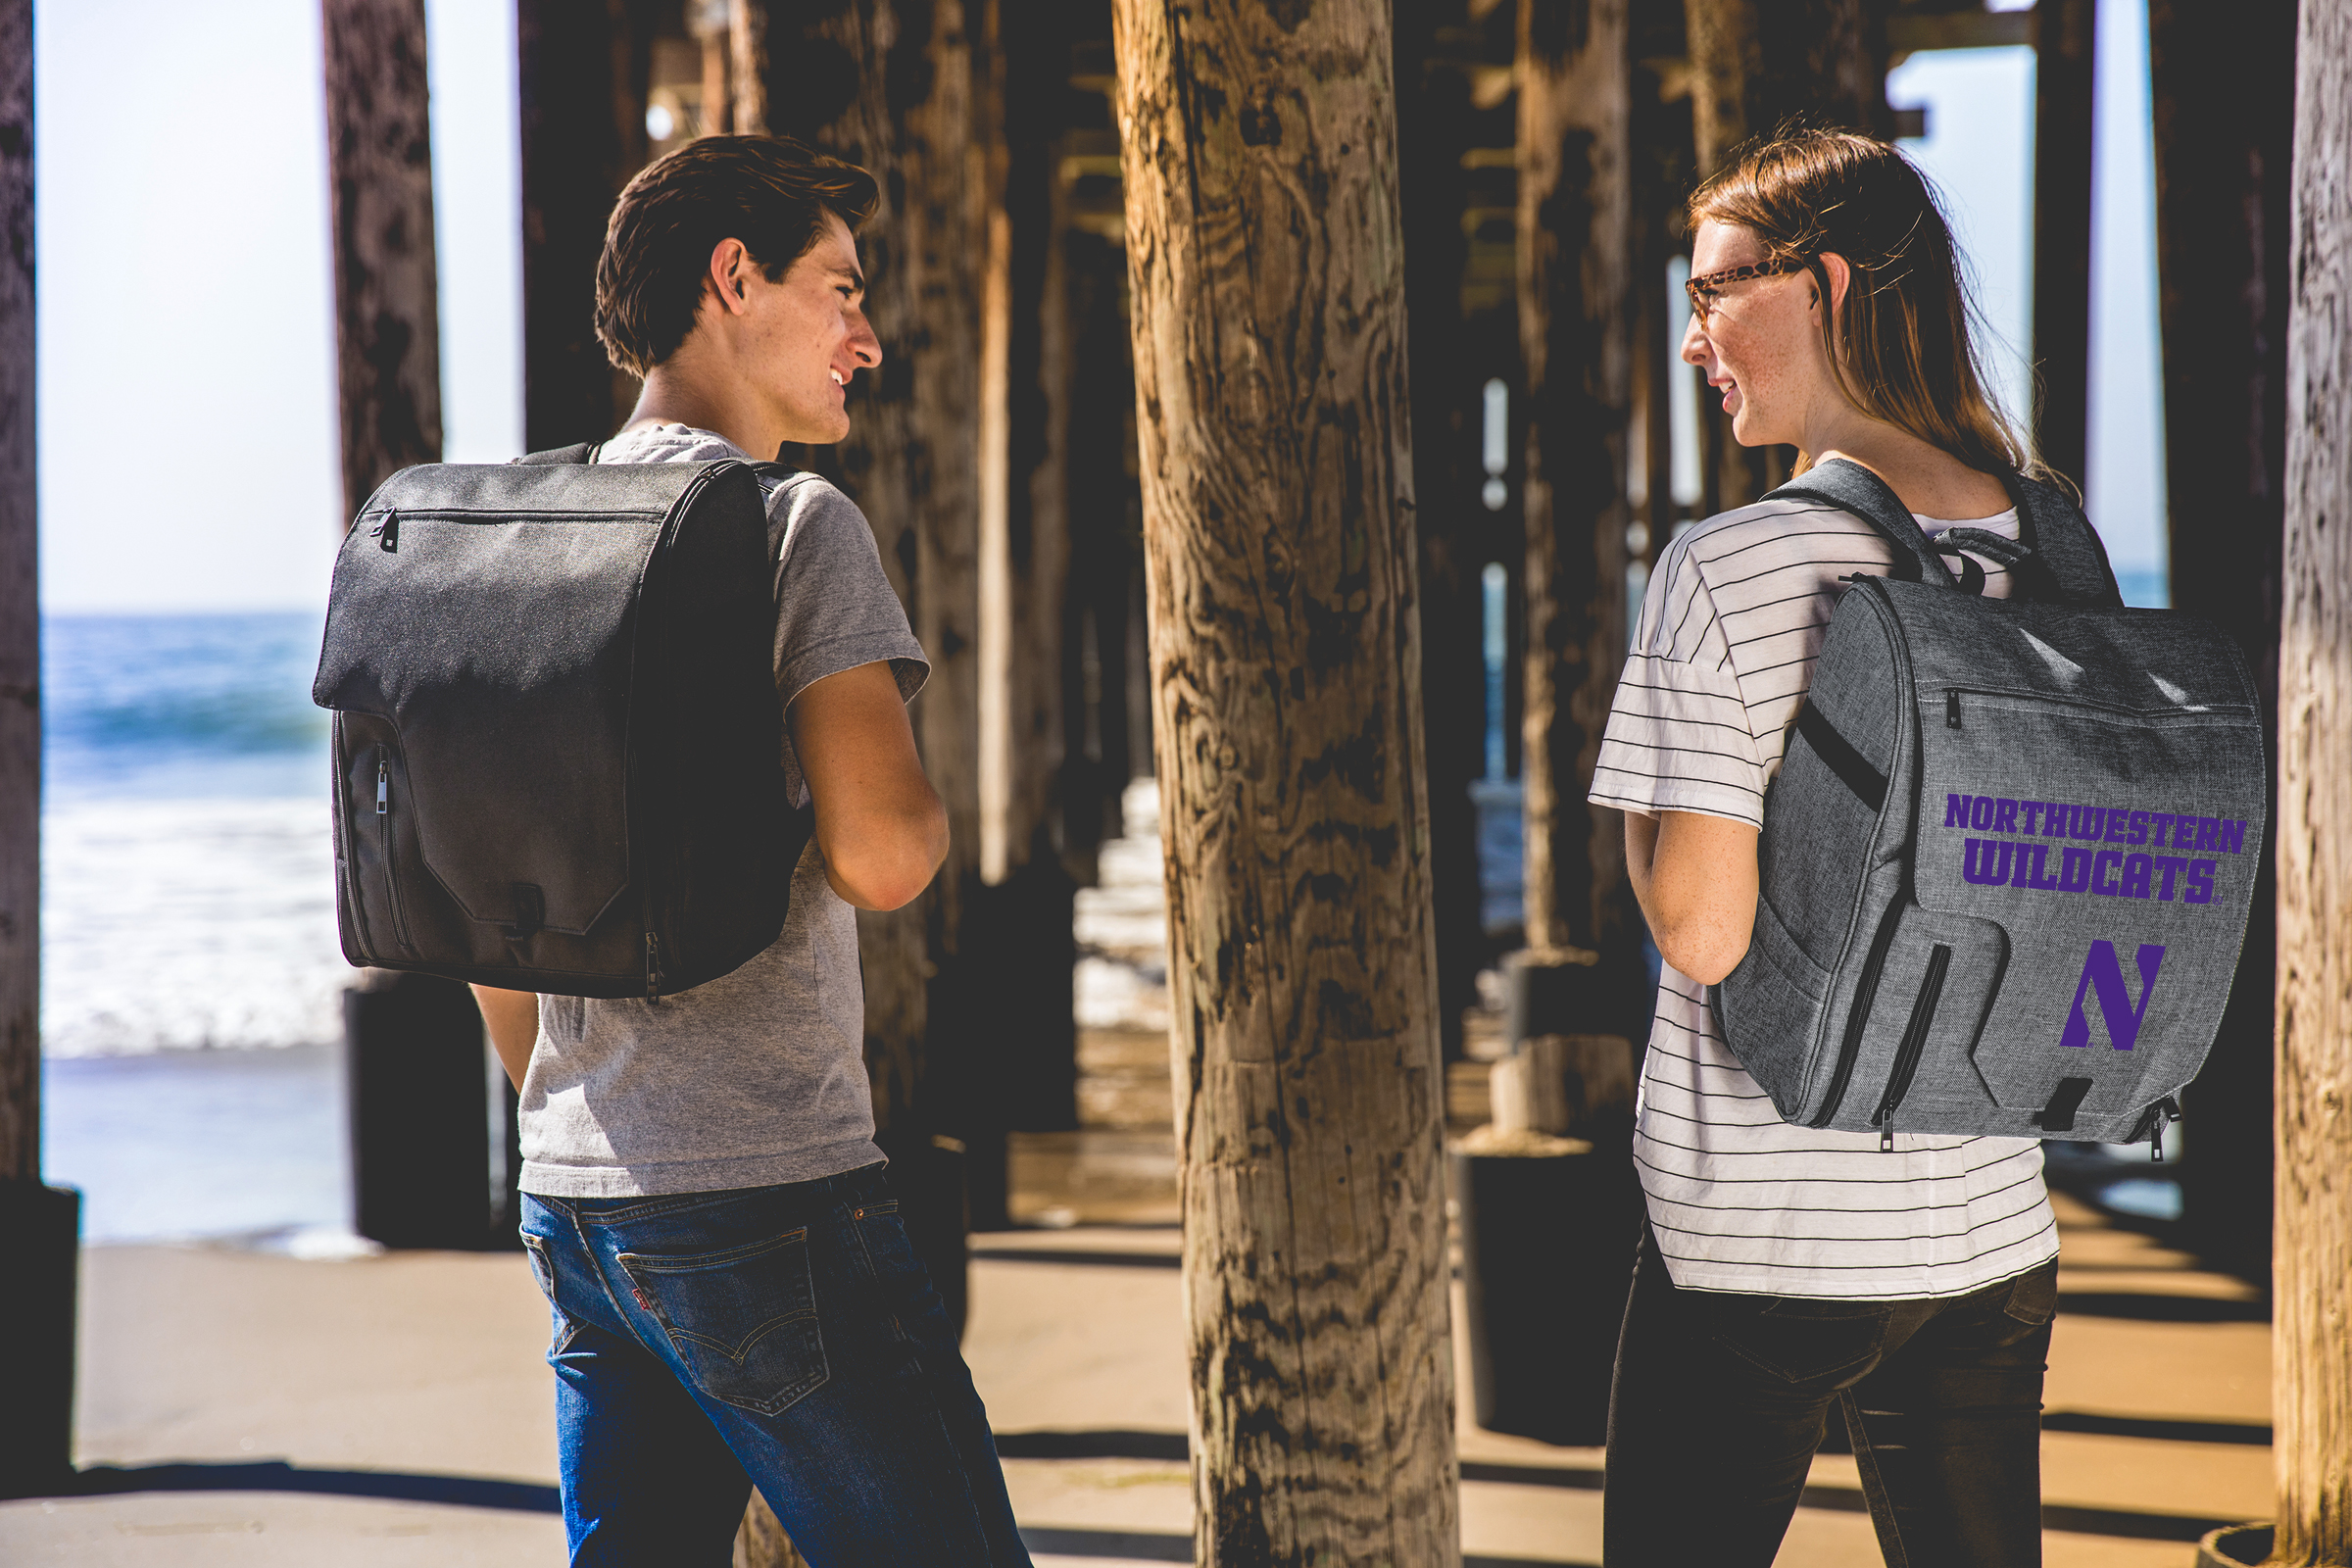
<point>190,974</point>
<point>188,873</point>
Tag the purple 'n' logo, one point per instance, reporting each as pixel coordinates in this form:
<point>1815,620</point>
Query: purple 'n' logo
<point>2103,972</point>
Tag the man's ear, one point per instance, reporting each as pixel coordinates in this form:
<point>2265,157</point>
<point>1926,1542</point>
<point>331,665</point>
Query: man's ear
<point>730,268</point>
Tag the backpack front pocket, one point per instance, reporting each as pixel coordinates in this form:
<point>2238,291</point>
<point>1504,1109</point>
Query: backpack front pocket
<point>2119,849</point>
<point>1908,1036</point>
<point>379,837</point>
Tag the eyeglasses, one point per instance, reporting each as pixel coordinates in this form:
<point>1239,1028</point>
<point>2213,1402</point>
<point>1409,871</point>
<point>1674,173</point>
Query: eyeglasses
<point>1702,289</point>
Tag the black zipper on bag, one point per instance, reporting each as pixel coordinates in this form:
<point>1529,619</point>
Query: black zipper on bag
<point>384,833</point>
<point>1914,1045</point>
<point>1866,991</point>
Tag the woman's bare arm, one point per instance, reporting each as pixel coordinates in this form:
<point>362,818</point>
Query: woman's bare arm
<point>1696,876</point>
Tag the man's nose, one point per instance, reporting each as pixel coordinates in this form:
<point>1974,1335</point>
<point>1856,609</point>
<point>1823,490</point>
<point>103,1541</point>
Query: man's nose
<point>863,344</point>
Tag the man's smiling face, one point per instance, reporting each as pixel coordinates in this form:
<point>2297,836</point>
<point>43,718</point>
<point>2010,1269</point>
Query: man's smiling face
<point>806,336</point>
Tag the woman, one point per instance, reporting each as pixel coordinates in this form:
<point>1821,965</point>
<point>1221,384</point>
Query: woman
<point>1787,1269</point>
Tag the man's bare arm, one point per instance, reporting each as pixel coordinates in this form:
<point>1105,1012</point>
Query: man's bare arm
<point>1696,879</point>
<point>879,824</point>
<point>513,1019</point>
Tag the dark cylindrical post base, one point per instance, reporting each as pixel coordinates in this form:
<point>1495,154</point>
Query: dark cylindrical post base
<point>1548,1259</point>
<point>40,1232</point>
<point>420,1112</point>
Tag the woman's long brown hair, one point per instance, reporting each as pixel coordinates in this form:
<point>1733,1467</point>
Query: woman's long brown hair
<point>1900,346</point>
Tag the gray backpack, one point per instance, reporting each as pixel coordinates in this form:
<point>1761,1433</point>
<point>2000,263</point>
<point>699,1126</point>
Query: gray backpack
<point>2006,875</point>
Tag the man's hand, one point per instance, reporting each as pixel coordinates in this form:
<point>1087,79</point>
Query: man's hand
<point>1696,879</point>
<point>512,1018</point>
<point>879,824</point>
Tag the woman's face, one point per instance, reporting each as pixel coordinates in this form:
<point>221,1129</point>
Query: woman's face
<point>1760,341</point>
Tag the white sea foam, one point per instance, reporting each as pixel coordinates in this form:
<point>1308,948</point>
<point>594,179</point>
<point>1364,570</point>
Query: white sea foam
<point>174,925</point>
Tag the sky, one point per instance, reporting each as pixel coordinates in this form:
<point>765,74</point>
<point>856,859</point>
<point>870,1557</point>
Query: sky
<point>187,383</point>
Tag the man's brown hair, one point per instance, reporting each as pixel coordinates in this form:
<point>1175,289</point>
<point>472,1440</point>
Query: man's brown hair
<point>770,192</point>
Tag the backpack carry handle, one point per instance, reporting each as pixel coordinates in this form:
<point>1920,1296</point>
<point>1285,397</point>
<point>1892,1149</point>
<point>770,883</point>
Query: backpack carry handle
<point>2058,558</point>
<point>1850,487</point>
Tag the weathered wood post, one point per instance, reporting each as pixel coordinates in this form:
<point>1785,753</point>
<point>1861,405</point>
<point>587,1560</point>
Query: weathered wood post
<point>2224,93</point>
<point>20,623</point>
<point>581,98</point>
<point>42,1224</point>
<point>890,88</point>
<point>1024,950</point>
<point>1755,67</point>
<point>2065,37</point>
<point>381,177</point>
<point>2312,1367</point>
<point>1266,269</point>
<point>1433,132</point>
<point>1576,246</point>
<point>413,1070</point>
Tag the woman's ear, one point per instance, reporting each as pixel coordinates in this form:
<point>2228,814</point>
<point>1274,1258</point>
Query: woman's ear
<point>1840,277</point>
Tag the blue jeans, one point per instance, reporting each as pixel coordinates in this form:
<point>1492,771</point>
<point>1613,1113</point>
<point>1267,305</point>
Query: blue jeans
<point>779,1335</point>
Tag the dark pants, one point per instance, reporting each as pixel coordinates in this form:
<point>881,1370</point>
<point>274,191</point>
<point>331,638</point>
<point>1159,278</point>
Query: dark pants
<point>1720,1401</point>
<point>779,1335</point>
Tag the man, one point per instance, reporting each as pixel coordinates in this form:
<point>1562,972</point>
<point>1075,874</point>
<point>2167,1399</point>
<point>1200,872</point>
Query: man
<point>735,1300</point>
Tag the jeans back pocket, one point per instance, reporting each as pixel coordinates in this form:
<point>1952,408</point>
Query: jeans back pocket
<point>741,1320</point>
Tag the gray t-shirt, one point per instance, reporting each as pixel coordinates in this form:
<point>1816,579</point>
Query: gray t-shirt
<point>759,1076</point>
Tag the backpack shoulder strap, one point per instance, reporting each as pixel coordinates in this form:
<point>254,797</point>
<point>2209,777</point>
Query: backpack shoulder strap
<point>2070,564</point>
<point>1851,487</point>
<point>579,452</point>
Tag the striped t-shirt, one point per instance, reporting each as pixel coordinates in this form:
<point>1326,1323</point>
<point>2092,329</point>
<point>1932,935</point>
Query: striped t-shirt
<point>1739,1198</point>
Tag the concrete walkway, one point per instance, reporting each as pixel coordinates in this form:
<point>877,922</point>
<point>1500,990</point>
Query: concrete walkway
<point>398,1413</point>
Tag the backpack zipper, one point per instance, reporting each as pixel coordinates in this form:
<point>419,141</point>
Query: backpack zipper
<point>1914,1044</point>
<point>1866,991</point>
<point>384,834</point>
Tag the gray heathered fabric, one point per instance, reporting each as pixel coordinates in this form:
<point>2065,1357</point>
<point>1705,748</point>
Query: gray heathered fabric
<point>757,1077</point>
<point>2073,802</point>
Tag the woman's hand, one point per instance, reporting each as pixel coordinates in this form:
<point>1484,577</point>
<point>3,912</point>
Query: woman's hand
<point>1697,879</point>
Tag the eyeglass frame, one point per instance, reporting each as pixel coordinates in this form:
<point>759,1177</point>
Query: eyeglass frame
<point>1735,274</point>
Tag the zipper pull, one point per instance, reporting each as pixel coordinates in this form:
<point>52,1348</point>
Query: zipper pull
<point>1951,709</point>
<point>384,788</point>
<point>2156,1146</point>
<point>653,968</point>
<point>386,534</point>
<point>2168,1111</point>
<point>1886,1137</point>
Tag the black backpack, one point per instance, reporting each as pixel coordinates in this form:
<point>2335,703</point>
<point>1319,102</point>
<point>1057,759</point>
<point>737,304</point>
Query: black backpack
<point>557,749</point>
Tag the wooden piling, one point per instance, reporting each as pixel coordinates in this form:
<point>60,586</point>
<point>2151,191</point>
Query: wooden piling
<point>1264,253</point>
<point>2224,91</point>
<point>911,457</point>
<point>581,84</point>
<point>379,150</point>
<point>1756,67</point>
<point>2065,35</point>
<point>1575,254</point>
<point>20,623</point>
<point>2312,1368</point>
<point>1433,133</point>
